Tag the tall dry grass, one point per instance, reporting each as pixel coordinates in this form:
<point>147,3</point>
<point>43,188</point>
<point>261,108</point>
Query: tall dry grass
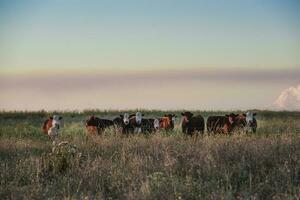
<point>160,166</point>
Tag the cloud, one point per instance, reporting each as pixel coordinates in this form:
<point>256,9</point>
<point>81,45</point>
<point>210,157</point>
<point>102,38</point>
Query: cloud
<point>289,99</point>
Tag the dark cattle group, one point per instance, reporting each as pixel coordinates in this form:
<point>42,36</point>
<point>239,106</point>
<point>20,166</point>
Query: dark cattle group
<point>136,123</point>
<point>232,123</point>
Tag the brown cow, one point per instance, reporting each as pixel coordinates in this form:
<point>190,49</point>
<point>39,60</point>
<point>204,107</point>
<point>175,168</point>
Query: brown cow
<point>222,124</point>
<point>167,122</point>
<point>47,125</point>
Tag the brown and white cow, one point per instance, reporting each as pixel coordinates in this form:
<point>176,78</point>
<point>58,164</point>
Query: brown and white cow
<point>52,126</point>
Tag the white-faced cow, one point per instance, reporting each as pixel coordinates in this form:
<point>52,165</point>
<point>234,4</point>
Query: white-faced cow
<point>52,126</point>
<point>136,122</point>
<point>122,124</point>
<point>251,123</point>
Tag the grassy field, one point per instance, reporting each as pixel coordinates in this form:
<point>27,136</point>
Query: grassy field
<point>166,165</point>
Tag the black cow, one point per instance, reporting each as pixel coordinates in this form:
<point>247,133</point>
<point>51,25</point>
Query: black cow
<point>149,125</point>
<point>95,124</point>
<point>122,123</point>
<point>192,124</point>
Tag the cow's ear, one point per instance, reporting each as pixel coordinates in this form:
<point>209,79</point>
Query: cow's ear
<point>226,115</point>
<point>254,114</point>
<point>121,116</point>
<point>60,118</point>
<point>244,115</point>
<point>182,114</point>
<point>51,117</point>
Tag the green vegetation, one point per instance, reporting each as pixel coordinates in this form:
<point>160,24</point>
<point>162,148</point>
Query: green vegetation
<point>165,165</point>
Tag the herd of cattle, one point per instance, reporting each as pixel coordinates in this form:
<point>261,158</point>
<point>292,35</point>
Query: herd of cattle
<point>136,123</point>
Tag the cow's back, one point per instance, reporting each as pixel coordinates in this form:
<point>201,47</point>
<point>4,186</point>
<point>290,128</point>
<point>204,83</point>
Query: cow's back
<point>118,121</point>
<point>197,122</point>
<point>104,123</point>
<point>147,125</point>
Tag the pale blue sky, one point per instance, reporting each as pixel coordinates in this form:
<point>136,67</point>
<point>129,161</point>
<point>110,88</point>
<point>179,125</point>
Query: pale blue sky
<point>148,34</point>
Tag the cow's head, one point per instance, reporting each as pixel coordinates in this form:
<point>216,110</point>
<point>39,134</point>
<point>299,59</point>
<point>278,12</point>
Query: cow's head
<point>187,117</point>
<point>126,117</point>
<point>57,121</point>
<point>232,117</point>
<point>138,118</point>
<point>250,117</point>
<point>91,121</point>
<point>172,117</point>
<point>156,124</point>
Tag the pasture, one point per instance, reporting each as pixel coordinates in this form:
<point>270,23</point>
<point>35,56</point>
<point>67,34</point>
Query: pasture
<point>165,165</point>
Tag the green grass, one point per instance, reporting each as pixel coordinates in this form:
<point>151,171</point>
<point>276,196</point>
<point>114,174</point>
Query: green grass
<point>167,165</point>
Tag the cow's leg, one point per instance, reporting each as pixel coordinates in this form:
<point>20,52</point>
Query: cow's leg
<point>184,129</point>
<point>100,131</point>
<point>137,130</point>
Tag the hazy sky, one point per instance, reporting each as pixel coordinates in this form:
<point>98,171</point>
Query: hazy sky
<point>170,54</point>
